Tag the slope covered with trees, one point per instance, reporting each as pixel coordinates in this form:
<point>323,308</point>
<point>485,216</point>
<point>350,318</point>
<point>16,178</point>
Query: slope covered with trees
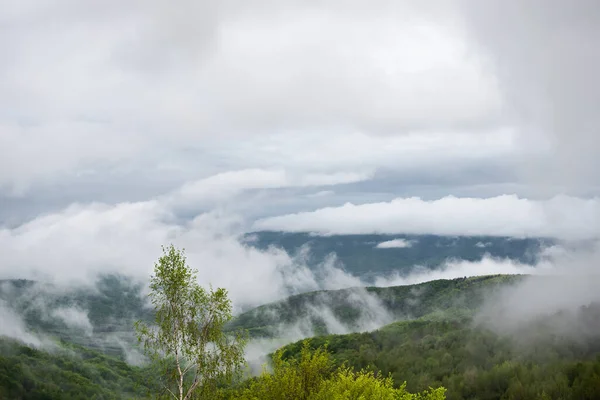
<point>68,371</point>
<point>473,362</point>
<point>349,306</point>
<point>436,348</point>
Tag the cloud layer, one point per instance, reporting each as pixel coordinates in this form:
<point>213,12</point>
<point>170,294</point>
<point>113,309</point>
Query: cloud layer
<point>83,240</point>
<point>562,217</point>
<point>143,93</point>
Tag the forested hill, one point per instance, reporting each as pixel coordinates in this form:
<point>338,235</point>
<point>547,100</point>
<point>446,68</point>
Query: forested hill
<point>103,318</point>
<point>537,361</point>
<point>98,316</point>
<point>423,334</point>
<point>363,308</point>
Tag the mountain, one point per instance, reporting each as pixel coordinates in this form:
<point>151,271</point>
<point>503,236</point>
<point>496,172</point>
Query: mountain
<point>370,256</point>
<point>360,308</point>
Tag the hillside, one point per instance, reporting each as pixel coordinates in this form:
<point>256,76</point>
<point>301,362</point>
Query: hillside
<point>425,334</point>
<point>363,308</point>
<point>102,318</point>
<point>67,371</point>
<point>473,362</point>
<point>98,316</point>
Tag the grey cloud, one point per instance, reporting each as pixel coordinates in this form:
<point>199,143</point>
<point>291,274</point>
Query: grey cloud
<point>546,57</point>
<point>102,86</point>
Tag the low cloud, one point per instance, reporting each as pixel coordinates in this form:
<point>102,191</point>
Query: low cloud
<point>74,317</point>
<point>14,327</point>
<point>460,268</point>
<point>395,244</point>
<point>508,215</point>
<point>566,280</point>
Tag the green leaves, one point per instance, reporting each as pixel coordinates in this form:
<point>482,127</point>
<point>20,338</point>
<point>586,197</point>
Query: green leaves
<point>312,376</point>
<point>187,339</point>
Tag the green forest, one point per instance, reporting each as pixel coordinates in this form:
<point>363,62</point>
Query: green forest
<point>435,349</point>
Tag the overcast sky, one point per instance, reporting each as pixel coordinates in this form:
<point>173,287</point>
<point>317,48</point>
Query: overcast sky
<point>146,118</point>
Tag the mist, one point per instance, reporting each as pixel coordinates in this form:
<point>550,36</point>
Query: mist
<point>546,60</point>
<point>14,327</point>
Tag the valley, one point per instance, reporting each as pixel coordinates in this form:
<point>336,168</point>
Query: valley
<point>453,333</point>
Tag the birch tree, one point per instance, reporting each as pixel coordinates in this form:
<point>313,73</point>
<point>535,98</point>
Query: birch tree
<point>187,340</point>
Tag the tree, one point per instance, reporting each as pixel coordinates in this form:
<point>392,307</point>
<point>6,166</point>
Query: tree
<point>187,340</point>
<point>294,379</point>
<point>313,376</point>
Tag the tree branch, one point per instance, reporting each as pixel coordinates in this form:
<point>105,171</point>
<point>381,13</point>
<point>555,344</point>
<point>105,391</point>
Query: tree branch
<point>172,394</point>
<point>193,387</point>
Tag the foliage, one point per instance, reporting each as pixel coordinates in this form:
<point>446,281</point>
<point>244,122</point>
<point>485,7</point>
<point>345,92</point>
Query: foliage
<point>312,376</point>
<point>473,362</point>
<point>68,372</point>
<point>187,340</point>
<point>350,385</point>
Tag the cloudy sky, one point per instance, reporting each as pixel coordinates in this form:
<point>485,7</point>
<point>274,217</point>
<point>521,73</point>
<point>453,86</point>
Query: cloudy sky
<point>127,124</point>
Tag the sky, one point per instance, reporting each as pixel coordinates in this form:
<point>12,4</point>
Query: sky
<point>127,125</point>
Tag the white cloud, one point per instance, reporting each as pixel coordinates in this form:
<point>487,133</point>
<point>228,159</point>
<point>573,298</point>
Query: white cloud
<point>14,327</point>
<point>460,269</point>
<point>74,317</point>
<point>562,216</point>
<point>224,189</point>
<point>395,244</point>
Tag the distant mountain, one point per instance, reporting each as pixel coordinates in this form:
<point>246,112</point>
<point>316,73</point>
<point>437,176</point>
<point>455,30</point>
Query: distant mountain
<point>369,256</point>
